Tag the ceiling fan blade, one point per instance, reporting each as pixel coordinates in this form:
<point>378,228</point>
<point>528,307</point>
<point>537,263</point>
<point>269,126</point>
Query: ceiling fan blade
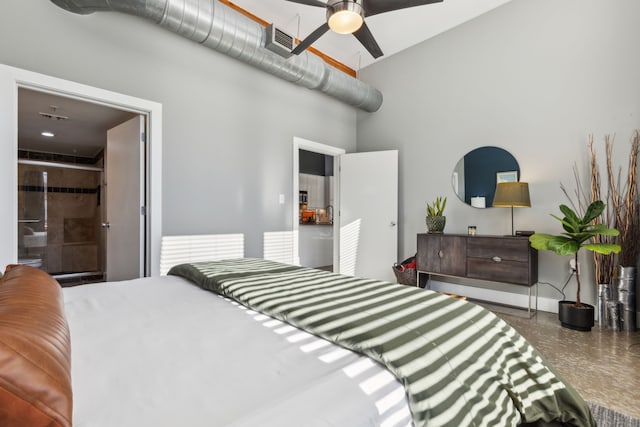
<point>317,3</point>
<point>365,37</point>
<point>311,38</point>
<point>375,7</point>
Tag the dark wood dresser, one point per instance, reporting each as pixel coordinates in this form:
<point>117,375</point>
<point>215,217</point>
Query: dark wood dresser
<point>503,259</point>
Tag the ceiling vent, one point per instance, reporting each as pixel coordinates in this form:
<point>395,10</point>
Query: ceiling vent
<point>279,42</point>
<point>52,116</point>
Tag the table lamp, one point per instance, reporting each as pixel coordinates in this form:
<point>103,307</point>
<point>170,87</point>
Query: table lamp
<point>512,195</point>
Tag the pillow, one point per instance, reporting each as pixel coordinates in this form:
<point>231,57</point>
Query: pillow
<point>35,355</point>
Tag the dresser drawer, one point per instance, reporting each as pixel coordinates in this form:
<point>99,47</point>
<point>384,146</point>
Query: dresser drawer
<point>506,249</point>
<point>499,270</point>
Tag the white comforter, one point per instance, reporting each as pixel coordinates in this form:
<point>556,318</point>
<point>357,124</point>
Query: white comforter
<point>163,352</point>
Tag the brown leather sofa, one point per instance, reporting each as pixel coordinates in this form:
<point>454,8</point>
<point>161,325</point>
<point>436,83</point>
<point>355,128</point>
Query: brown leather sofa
<point>35,354</point>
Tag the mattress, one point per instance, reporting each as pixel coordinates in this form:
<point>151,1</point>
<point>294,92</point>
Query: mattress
<point>163,352</point>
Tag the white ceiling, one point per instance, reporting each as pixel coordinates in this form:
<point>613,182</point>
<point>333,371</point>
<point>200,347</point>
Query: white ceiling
<point>394,31</point>
<point>84,134</point>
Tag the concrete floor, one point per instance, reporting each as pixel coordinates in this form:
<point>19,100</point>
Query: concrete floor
<point>602,365</point>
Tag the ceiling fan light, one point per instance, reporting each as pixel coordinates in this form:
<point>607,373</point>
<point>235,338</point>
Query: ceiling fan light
<point>345,17</point>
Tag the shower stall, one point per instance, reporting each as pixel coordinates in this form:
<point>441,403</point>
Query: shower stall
<point>59,219</point>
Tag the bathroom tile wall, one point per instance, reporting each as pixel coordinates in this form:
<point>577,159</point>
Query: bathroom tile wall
<point>72,219</point>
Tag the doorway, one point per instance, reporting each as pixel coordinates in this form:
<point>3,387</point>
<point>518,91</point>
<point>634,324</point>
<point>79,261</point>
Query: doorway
<point>314,242</point>
<point>12,81</point>
<point>63,202</point>
<point>316,201</point>
<point>365,217</point>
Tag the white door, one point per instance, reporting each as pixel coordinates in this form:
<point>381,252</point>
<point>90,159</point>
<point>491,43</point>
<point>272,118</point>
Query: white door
<point>368,244</point>
<point>124,198</point>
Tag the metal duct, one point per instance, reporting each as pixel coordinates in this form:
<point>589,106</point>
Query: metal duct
<point>223,29</point>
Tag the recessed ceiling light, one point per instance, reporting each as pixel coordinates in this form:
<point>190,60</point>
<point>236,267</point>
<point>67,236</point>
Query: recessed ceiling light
<point>47,134</point>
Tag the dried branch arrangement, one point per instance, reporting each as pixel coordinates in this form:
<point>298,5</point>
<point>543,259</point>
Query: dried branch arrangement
<point>625,201</point>
<point>622,206</point>
<point>603,263</point>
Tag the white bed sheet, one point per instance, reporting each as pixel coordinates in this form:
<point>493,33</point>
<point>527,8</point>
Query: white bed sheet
<point>163,352</point>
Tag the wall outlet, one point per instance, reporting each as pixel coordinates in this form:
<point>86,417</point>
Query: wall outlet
<point>572,265</point>
<point>281,199</point>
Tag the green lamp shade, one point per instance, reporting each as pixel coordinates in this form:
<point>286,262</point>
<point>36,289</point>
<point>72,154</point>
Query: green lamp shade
<point>512,195</point>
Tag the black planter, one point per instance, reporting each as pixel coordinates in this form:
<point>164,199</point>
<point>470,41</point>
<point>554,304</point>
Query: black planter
<point>577,318</point>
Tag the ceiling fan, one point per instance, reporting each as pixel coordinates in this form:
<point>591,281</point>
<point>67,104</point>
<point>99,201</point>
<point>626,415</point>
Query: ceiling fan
<point>347,17</point>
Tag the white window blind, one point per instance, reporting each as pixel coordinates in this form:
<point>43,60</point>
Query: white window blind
<point>202,247</point>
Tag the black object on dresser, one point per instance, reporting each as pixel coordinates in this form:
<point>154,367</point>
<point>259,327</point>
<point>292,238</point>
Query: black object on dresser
<point>502,259</point>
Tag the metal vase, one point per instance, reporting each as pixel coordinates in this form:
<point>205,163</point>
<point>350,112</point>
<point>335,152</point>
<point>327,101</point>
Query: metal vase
<point>625,284</point>
<point>603,299</point>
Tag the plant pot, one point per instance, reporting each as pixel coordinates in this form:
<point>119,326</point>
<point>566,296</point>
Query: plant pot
<point>435,224</point>
<point>577,318</point>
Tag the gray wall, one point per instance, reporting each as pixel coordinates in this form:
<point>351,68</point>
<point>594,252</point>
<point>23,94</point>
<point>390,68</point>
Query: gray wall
<point>533,77</point>
<point>228,129</point>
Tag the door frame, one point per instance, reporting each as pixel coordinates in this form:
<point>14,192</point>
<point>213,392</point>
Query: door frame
<point>316,147</point>
<point>11,79</point>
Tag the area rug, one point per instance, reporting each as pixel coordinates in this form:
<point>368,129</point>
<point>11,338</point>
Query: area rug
<point>606,417</point>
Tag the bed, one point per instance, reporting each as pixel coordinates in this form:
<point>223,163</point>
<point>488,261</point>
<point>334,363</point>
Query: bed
<point>248,342</point>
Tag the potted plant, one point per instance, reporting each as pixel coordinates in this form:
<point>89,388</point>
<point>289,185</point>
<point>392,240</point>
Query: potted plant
<point>579,232</point>
<point>435,215</point>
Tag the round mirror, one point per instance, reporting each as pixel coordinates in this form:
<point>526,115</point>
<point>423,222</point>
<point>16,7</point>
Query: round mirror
<point>476,174</point>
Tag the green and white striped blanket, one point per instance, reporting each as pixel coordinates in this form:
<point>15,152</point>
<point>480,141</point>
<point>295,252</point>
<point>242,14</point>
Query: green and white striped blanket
<point>460,364</point>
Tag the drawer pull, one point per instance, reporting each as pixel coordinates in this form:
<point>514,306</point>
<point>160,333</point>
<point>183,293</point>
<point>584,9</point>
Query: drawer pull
<point>497,259</point>
<point>440,253</point>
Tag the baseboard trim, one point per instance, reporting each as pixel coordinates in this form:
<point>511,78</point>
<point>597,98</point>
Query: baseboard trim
<point>499,297</point>
<point>519,300</point>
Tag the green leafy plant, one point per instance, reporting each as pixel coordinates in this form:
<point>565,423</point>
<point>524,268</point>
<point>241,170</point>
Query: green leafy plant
<point>578,233</point>
<point>437,207</point>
